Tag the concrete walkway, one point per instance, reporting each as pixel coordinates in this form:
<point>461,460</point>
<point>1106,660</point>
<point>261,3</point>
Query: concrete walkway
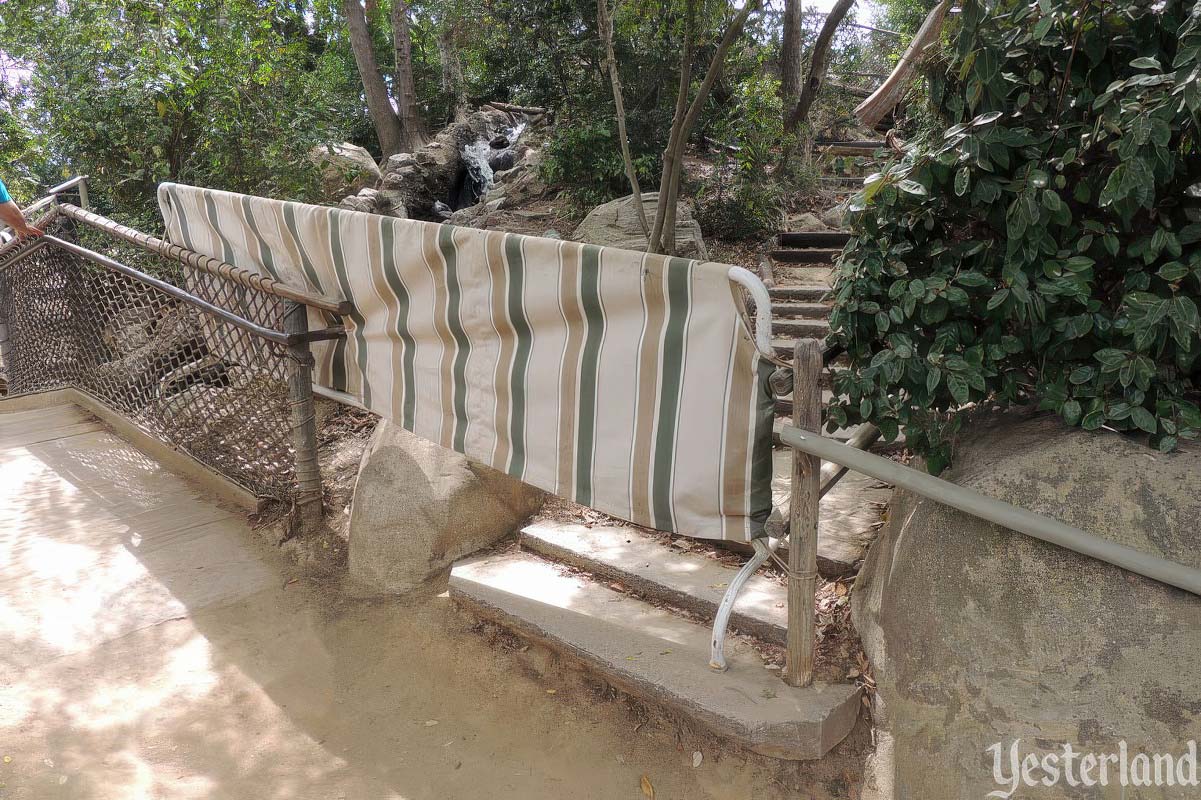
<point>150,647</point>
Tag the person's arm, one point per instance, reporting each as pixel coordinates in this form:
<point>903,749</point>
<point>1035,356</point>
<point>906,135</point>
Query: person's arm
<point>10,215</point>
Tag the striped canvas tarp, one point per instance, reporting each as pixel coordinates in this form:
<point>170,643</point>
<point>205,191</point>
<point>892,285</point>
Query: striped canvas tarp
<point>623,381</point>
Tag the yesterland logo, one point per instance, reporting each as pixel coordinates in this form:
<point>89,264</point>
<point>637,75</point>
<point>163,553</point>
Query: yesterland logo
<point>1013,769</point>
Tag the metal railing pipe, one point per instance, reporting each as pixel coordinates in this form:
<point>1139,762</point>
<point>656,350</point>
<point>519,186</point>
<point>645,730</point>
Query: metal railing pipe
<point>204,263</point>
<point>174,291</point>
<point>995,511</point>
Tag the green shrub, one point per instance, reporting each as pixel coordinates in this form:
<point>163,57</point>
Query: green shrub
<point>1044,247</point>
<point>746,210</point>
<point>584,158</point>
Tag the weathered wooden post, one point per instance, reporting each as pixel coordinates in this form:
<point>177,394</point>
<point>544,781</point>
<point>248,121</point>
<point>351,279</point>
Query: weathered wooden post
<point>802,537</point>
<point>309,513</point>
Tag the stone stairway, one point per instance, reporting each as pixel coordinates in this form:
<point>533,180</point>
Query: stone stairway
<point>637,613</point>
<point>802,263</point>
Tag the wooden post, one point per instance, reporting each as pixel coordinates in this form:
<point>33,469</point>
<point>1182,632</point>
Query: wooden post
<point>802,537</point>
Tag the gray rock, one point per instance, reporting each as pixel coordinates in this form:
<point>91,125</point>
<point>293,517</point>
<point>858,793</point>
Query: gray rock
<point>476,216</point>
<point>388,202</point>
<point>419,507</point>
<point>978,635</point>
<point>345,169</point>
<point>615,224</point>
<point>806,223</point>
<point>832,217</point>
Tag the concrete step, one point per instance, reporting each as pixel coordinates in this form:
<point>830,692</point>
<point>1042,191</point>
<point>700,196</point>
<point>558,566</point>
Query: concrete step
<point>799,311</point>
<point>649,569</point>
<point>795,293</point>
<point>807,255</point>
<point>813,239</point>
<point>655,655</point>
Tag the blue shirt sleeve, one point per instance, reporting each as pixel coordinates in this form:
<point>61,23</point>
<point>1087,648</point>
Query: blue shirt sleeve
<point>4,198</point>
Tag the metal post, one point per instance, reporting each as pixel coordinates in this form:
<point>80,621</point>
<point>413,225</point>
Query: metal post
<point>802,536</point>
<point>83,194</point>
<point>309,513</point>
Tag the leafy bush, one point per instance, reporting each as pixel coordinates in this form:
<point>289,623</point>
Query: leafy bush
<point>1044,247</point>
<point>584,157</point>
<point>746,210</point>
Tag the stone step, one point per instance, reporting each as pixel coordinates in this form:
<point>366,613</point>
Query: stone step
<point>807,255</point>
<point>784,346</point>
<point>799,311</point>
<point>653,571</point>
<point>813,239</point>
<point>800,328</point>
<point>655,655</point>
<point>784,402</point>
<point>798,293</point>
<point>867,145</point>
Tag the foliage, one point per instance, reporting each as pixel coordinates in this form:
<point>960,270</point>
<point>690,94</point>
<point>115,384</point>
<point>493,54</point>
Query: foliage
<point>224,93</point>
<point>1044,246</point>
<point>746,210</point>
<point>744,201</point>
<point>585,159</point>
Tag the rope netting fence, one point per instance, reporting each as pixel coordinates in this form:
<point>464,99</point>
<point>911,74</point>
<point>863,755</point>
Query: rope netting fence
<point>184,373</point>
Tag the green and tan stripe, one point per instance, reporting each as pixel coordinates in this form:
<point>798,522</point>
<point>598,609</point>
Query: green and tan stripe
<point>679,278</point>
<point>649,352</point>
<point>506,335</point>
<point>521,356</point>
<point>569,364</point>
<point>408,381</point>
<point>343,277</point>
<point>594,318</point>
<point>454,323</point>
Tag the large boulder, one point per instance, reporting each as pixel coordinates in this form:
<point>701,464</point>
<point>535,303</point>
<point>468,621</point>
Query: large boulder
<point>979,636</point>
<point>615,224</point>
<point>419,507</point>
<point>345,169</point>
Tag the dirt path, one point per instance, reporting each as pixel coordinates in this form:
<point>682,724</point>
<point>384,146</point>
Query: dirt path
<point>150,647</point>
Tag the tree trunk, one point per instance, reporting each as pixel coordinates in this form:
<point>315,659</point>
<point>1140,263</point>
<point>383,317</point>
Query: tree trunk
<point>790,59</point>
<point>885,98</point>
<point>663,235</point>
<point>379,105</point>
<point>655,245</point>
<point>411,125</point>
<point>818,64</point>
<point>605,26</point>
<point>453,85</point>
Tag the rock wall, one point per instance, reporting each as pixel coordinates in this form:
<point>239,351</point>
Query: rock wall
<point>978,635</point>
<point>428,175</point>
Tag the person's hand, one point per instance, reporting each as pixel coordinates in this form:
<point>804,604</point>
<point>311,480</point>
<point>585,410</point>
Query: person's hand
<point>27,230</point>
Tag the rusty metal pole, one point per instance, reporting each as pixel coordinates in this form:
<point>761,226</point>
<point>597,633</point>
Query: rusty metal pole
<point>802,536</point>
<point>309,512</point>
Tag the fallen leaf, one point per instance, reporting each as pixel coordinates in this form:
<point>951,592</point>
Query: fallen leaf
<point>664,652</point>
<point>552,691</point>
<point>697,758</point>
<point>648,788</point>
<point>429,723</point>
<point>8,759</point>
